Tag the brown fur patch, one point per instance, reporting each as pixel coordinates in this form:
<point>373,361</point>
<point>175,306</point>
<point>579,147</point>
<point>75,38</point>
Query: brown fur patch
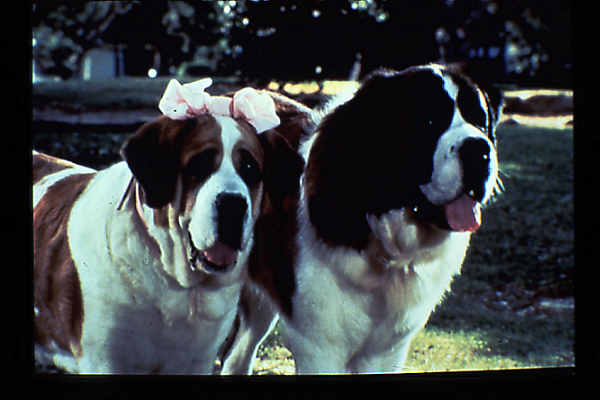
<point>44,165</point>
<point>272,258</point>
<point>57,289</point>
<point>295,119</point>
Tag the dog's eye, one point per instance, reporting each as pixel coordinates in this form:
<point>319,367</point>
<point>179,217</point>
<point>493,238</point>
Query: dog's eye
<point>249,169</point>
<point>202,165</point>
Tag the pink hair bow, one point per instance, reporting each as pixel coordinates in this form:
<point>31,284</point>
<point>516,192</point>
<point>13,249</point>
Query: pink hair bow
<point>185,101</point>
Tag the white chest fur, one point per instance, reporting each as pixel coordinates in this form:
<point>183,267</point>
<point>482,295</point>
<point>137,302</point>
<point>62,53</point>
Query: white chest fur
<point>356,312</point>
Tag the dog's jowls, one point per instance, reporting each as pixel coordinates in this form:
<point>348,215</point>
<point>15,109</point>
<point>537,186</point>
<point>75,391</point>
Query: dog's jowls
<point>395,179</point>
<point>138,268</point>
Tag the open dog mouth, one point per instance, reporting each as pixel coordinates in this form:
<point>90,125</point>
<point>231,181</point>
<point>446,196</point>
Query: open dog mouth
<point>463,214</point>
<point>217,258</point>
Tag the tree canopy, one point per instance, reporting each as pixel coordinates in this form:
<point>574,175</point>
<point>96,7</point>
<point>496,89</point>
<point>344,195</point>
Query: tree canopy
<point>299,40</point>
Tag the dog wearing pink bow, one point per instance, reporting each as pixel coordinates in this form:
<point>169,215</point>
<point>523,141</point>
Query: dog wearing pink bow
<point>138,268</point>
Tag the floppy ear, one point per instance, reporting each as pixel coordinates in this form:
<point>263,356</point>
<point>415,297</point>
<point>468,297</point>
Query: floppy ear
<point>283,164</point>
<point>354,143</point>
<point>493,97</point>
<point>149,154</point>
<point>282,170</point>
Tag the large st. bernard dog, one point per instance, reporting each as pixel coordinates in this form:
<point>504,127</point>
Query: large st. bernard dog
<point>395,178</point>
<point>138,268</point>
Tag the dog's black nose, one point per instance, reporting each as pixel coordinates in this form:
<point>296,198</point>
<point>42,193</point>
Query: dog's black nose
<point>231,211</point>
<point>474,155</point>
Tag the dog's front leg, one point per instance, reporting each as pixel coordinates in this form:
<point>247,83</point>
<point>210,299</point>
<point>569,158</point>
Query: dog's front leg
<point>255,320</point>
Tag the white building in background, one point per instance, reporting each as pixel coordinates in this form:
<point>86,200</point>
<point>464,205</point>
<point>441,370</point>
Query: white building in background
<point>100,63</point>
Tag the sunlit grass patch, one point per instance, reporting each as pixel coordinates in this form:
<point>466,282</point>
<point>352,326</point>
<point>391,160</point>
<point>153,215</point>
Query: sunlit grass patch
<point>493,335</point>
<point>436,350</point>
<point>274,360</point>
<point>482,337</point>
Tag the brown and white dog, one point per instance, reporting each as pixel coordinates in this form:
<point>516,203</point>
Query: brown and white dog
<point>138,268</point>
<point>395,178</point>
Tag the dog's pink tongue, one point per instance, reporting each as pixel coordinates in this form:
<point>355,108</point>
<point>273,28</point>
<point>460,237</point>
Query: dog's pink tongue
<point>463,214</point>
<point>221,254</point>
